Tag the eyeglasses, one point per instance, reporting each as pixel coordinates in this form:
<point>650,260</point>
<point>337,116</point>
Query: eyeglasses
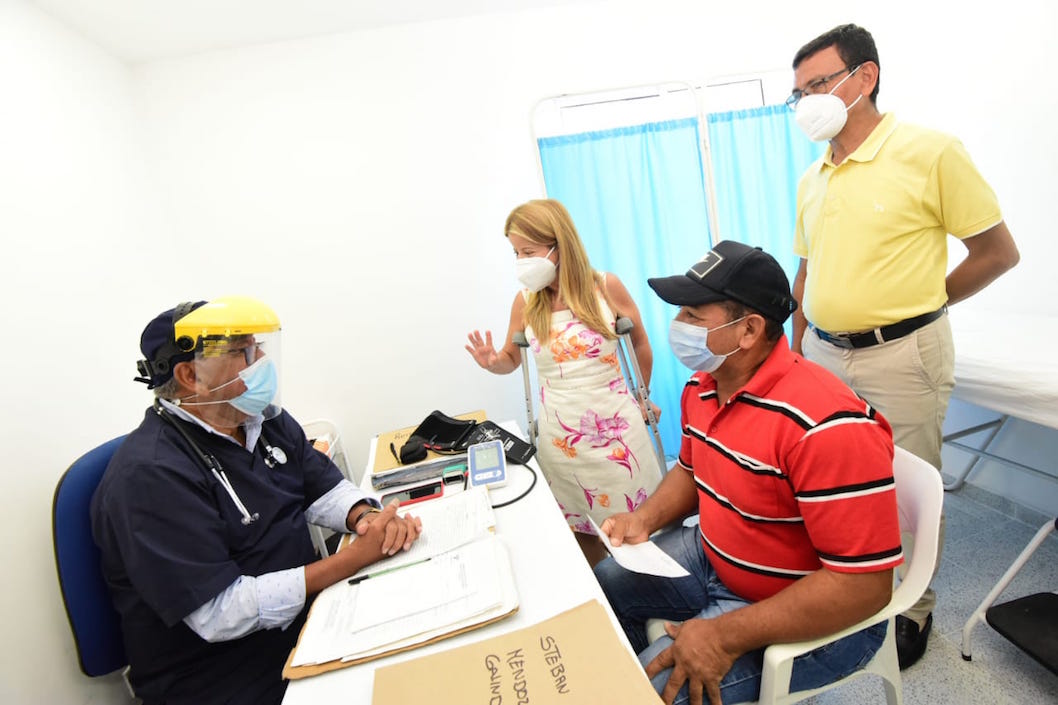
<point>817,86</point>
<point>249,353</point>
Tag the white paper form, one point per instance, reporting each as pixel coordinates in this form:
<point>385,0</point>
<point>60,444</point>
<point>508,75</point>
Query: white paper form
<point>508,603</point>
<point>447,522</point>
<point>384,598</point>
<point>385,610</point>
<point>643,557</point>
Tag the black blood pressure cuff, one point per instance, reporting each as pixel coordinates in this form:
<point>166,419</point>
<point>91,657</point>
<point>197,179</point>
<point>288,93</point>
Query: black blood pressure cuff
<point>443,434</point>
<point>438,432</point>
<point>515,449</point>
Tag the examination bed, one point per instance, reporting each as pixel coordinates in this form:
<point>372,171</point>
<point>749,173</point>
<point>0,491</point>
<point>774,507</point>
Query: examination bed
<point>1005,362</point>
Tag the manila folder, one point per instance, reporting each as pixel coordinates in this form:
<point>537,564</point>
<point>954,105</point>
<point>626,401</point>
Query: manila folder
<point>574,657</point>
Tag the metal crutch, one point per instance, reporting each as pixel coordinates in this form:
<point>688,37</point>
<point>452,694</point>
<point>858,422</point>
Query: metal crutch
<point>518,338</point>
<point>624,328</point>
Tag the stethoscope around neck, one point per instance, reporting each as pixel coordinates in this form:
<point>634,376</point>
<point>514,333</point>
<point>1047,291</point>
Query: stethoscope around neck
<point>272,456</point>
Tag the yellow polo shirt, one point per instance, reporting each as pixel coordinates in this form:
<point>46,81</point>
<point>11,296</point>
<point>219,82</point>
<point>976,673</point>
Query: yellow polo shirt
<point>874,228</point>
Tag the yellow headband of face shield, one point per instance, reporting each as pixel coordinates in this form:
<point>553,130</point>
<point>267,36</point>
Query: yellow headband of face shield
<point>228,316</point>
<point>219,320</point>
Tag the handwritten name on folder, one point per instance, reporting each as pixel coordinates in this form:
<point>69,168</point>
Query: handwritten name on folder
<point>574,657</point>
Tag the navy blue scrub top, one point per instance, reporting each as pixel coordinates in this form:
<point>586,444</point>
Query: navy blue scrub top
<point>172,539</point>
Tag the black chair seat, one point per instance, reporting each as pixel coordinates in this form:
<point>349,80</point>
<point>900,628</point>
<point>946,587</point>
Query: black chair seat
<point>1031,624</point>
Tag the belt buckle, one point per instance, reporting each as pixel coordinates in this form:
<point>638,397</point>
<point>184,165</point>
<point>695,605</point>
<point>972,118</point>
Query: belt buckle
<point>841,341</point>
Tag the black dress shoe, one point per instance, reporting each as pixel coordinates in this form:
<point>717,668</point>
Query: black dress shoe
<point>910,640</point>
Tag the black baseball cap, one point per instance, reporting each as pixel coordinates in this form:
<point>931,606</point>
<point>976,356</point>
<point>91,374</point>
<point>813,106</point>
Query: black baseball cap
<point>731,271</point>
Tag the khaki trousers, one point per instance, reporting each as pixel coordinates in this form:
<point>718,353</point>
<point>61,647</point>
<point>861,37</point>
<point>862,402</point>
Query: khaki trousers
<point>909,380</point>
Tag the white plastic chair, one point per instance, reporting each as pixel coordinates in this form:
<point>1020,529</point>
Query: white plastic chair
<point>326,433</point>
<point>919,497</point>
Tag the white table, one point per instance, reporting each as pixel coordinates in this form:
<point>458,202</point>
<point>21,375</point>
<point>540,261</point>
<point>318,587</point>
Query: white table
<point>549,570</point>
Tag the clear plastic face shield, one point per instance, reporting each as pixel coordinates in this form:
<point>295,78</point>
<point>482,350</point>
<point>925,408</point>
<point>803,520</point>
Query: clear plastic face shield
<point>236,367</point>
<point>235,378</point>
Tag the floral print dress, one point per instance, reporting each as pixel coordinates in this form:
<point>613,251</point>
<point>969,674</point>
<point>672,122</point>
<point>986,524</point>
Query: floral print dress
<point>594,448</point>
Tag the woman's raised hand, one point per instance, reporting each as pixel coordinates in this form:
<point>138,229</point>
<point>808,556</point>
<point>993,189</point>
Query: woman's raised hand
<point>482,350</point>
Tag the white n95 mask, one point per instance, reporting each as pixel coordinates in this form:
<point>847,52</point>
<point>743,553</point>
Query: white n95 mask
<point>822,116</point>
<point>536,273</point>
<point>689,343</point>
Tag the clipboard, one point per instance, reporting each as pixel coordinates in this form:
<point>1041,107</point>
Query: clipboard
<point>384,459</point>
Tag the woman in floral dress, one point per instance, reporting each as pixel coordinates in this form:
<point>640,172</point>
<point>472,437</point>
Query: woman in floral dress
<point>593,445</point>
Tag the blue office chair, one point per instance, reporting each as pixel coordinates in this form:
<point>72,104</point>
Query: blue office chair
<point>95,624</point>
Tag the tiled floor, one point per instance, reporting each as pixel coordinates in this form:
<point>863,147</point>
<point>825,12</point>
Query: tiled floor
<point>982,541</point>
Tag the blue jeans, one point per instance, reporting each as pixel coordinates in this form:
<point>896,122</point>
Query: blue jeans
<point>636,597</point>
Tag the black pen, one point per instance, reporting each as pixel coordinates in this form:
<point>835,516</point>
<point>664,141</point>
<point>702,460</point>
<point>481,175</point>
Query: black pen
<point>361,578</point>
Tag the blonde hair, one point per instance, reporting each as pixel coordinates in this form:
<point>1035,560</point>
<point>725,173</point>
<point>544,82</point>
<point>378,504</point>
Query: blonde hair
<point>547,222</point>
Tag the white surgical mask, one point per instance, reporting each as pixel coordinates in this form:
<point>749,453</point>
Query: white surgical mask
<point>822,116</point>
<point>536,273</point>
<point>689,344</point>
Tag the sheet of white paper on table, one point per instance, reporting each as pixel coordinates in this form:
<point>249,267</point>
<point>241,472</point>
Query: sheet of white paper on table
<point>468,577</point>
<point>643,557</point>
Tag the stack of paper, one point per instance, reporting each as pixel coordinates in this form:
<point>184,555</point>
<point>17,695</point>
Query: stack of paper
<point>385,607</point>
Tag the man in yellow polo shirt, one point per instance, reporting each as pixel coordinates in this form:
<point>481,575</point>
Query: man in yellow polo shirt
<point>873,218</point>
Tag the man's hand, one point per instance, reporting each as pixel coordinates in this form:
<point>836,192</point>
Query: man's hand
<point>379,534</point>
<point>696,658</point>
<point>395,533</point>
<point>626,527</point>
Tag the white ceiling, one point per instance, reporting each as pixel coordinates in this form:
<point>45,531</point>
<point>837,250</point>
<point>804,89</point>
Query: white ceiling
<point>136,31</point>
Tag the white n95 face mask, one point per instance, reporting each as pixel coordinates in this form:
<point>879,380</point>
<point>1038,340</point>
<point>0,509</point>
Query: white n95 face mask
<point>822,116</point>
<point>689,343</point>
<point>536,273</point>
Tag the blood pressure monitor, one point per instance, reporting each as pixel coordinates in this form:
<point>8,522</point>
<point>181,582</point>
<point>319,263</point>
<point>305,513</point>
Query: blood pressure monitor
<point>486,464</point>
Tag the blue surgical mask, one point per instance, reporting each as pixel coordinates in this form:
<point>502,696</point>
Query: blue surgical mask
<point>689,344</point>
<point>261,382</point>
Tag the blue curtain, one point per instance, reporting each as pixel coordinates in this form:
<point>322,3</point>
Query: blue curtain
<point>758,156</point>
<point>637,197</point>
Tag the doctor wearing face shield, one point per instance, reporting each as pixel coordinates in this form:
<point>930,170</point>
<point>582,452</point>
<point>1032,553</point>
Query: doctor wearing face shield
<point>201,515</point>
<point>873,218</point>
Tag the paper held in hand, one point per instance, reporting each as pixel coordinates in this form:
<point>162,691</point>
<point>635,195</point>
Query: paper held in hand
<point>643,557</point>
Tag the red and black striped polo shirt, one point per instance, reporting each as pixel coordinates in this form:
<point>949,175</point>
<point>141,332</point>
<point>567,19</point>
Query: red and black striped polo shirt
<point>793,473</point>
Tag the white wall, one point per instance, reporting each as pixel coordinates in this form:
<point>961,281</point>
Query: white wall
<point>71,215</point>
<point>359,183</point>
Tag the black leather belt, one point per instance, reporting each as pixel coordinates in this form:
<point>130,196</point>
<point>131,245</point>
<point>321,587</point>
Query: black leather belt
<point>879,335</point>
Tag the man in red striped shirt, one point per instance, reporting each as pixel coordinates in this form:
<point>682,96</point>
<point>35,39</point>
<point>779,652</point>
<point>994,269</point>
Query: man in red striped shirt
<point>791,474</point>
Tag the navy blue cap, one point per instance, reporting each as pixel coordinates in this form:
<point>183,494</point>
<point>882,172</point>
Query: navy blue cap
<point>161,350</point>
